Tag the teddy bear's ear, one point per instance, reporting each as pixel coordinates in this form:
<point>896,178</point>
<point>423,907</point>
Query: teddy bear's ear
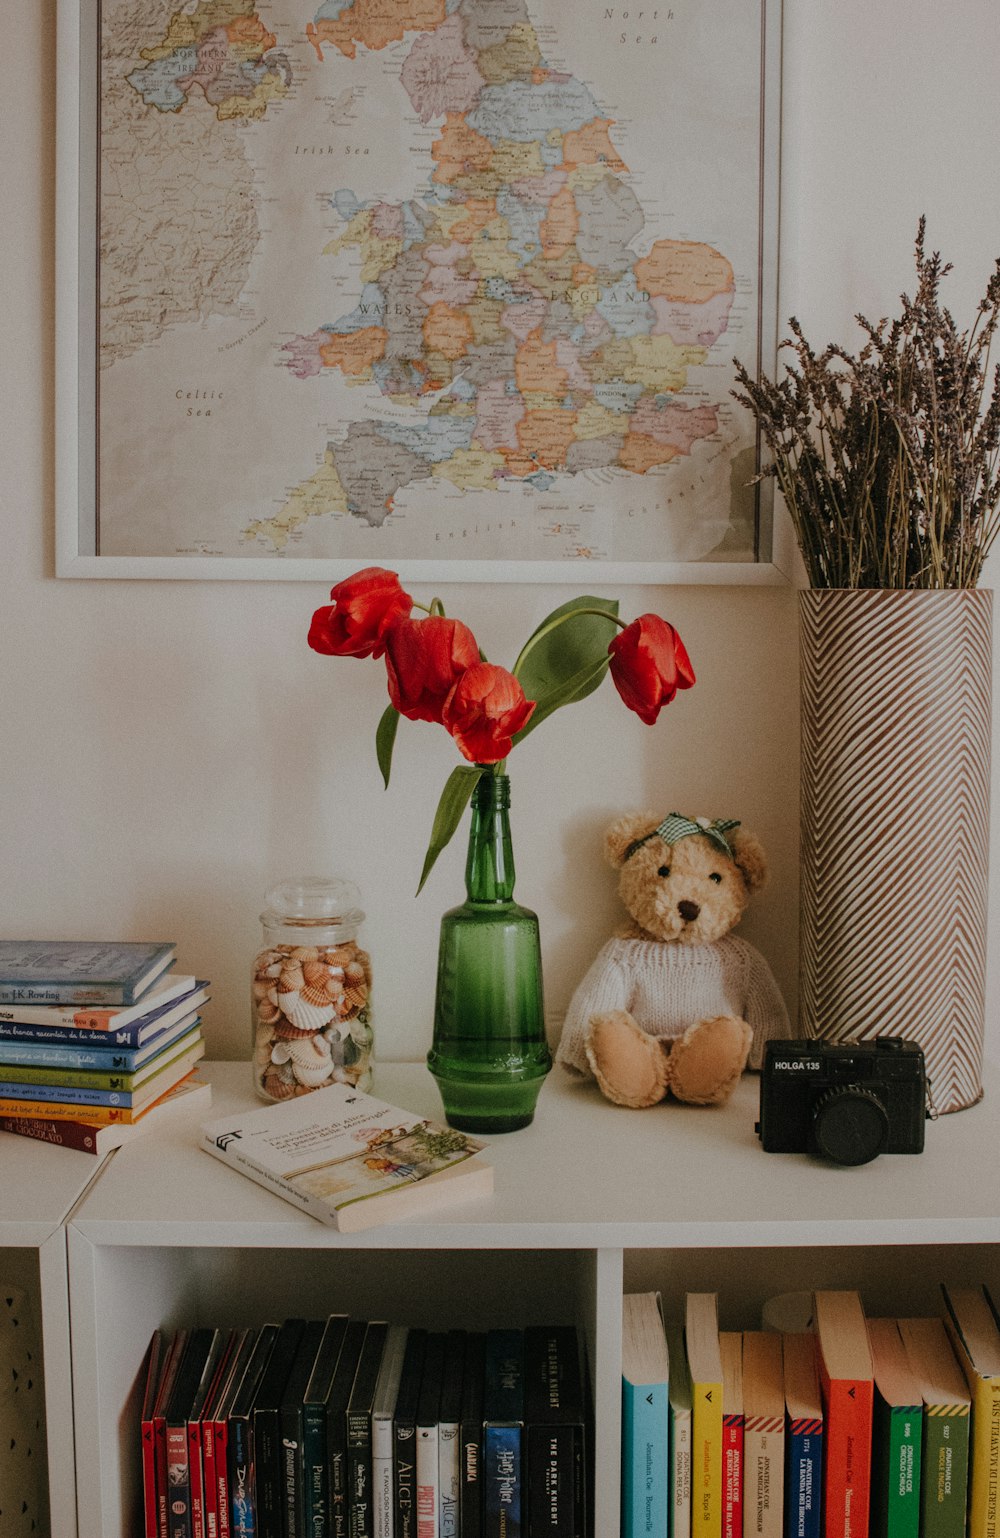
<point>625,832</point>
<point>750,859</point>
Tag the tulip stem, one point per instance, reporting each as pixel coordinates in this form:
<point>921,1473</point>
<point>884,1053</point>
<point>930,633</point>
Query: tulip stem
<point>554,625</point>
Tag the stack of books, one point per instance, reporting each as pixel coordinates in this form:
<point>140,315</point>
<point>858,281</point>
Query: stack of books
<point>346,1425</point>
<point>96,1039</point>
<point>858,1428</point>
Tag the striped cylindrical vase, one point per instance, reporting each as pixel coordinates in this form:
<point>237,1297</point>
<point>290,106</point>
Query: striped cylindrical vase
<point>896,708</point>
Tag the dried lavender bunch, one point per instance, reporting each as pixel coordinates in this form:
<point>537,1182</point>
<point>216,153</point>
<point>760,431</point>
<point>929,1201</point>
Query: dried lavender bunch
<point>888,459</point>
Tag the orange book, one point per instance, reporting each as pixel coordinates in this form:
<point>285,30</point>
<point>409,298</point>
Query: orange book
<point>847,1381</point>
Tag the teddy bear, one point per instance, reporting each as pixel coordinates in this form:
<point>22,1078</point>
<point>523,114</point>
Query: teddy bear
<point>676,1003</point>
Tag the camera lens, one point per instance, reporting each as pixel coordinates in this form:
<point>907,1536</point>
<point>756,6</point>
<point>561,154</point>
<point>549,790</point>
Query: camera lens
<point>850,1125</point>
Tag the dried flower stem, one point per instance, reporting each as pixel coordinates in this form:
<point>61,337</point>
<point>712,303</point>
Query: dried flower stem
<point>888,460</point>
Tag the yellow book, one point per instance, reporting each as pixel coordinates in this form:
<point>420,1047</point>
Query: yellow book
<point>705,1366</point>
<point>975,1332</point>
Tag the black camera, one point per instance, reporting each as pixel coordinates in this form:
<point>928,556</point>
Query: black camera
<point>846,1102</point>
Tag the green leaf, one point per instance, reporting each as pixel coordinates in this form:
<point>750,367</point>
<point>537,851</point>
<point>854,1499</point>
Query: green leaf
<point>385,737</point>
<point>455,798</point>
<point>566,657</point>
<point>575,688</point>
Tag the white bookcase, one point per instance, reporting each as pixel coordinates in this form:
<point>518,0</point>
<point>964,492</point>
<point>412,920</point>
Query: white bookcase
<point>589,1200</point>
<point>39,1186</point>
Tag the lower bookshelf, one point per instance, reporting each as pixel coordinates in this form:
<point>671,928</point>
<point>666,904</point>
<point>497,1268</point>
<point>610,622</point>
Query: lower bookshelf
<point>591,1200</point>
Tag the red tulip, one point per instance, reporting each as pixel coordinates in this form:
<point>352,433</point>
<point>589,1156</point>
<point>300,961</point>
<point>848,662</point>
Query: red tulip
<point>649,665</point>
<point>484,710</point>
<point>424,658</point>
<point>364,607</point>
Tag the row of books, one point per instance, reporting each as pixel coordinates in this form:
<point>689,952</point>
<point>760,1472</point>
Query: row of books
<point>858,1426</point>
<point>97,1040</point>
<point>344,1426</point>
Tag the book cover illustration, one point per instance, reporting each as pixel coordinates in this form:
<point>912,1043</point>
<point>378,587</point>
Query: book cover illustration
<point>337,1147</point>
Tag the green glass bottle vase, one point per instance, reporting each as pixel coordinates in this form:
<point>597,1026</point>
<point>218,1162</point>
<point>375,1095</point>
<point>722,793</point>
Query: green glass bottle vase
<point>489,1053</point>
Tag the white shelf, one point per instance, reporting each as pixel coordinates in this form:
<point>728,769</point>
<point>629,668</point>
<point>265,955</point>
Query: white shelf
<point>586,1174</point>
<point>589,1200</point>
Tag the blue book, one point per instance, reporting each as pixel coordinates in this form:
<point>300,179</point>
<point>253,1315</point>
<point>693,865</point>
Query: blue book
<point>134,1035</point>
<point>80,971</point>
<point>174,1067</point>
<point>103,1059</point>
<point>803,1438</point>
<point>645,1418</point>
<point>503,1428</point>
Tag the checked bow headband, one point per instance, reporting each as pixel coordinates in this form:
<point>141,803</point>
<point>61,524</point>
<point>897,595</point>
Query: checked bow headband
<point>674,827</point>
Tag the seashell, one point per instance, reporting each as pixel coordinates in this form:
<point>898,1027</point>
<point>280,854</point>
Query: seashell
<point>274,970</point>
<point>302,953</point>
<point>278,1087</point>
<point>312,1052</point>
<point>291,979</point>
<point>357,993</point>
<point>334,987</point>
<point>266,959</point>
<point>305,1014</point>
<point>284,1030</point>
<point>313,1074</point>
<point>339,955</point>
<point>315,972</point>
<point>268,1013</point>
<point>260,988</point>
<point>314,995</point>
<point>354,972</point>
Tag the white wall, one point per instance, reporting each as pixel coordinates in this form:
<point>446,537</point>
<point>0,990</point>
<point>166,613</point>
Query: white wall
<point>170,749</point>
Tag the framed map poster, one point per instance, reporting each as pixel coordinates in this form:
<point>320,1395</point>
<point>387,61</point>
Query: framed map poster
<point>449,286</point>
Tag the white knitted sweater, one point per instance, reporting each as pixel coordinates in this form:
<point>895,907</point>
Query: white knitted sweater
<point>668,987</point>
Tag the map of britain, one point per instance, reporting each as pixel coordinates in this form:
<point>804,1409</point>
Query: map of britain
<point>387,279</point>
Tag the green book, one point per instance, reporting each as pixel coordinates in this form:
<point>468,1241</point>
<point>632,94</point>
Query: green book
<point>947,1406</point>
<point>897,1427</point>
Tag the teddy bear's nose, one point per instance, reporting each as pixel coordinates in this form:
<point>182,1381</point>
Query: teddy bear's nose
<point>688,910</point>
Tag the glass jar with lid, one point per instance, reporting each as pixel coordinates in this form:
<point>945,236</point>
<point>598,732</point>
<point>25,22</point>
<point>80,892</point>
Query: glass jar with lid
<point>312,1018</point>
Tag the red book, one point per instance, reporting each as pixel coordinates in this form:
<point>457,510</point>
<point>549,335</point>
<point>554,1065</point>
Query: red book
<point>153,1359</point>
<point>731,1351</point>
<point>846,1378</point>
<point>173,1356</point>
<point>213,1366</point>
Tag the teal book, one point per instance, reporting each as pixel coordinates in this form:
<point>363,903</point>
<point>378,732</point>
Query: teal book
<point>897,1426</point>
<point>80,971</point>
<point>645,1418</point>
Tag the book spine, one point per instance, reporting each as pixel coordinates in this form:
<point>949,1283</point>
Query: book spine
<point>150,1529</point>
<point>267,1466</point>
<point>706,1460</point>
<point>61,1015</point>
<point>65,1134</point>
<point>178,1483</point>
<point>242,1508</point>
<point>679,1457</point>
<point>554,1483</point>
<point>82,995</point>
<point>732,1476</point>
<point>896,1445</point>
<point>471,1498</point>
<point>804,1482</point>
<point>404,1478</point>
<point>383,1502</point>
<point>315,1476</point>
<point>195,1474</point>
<point>210,1479</point>
<point>69,1094</point>
<point>645,1433</point>
<point>70,1078</point>
<point>985,1458</point>
<point>428,1489</point>
<point>763,1477</point>
<point>222,1506</point>
<point>340,1508</point>
<point>103,1060</point>
<point>848,1458</point>
<point>501,1482</point>
<point>944,1473</point>
<point>64,1110</point>
<point>359,1474</point>
<point>448,1479</point>
<point>65,1035</point>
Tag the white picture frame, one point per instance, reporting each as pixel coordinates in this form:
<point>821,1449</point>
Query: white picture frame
<point>78,545</point>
